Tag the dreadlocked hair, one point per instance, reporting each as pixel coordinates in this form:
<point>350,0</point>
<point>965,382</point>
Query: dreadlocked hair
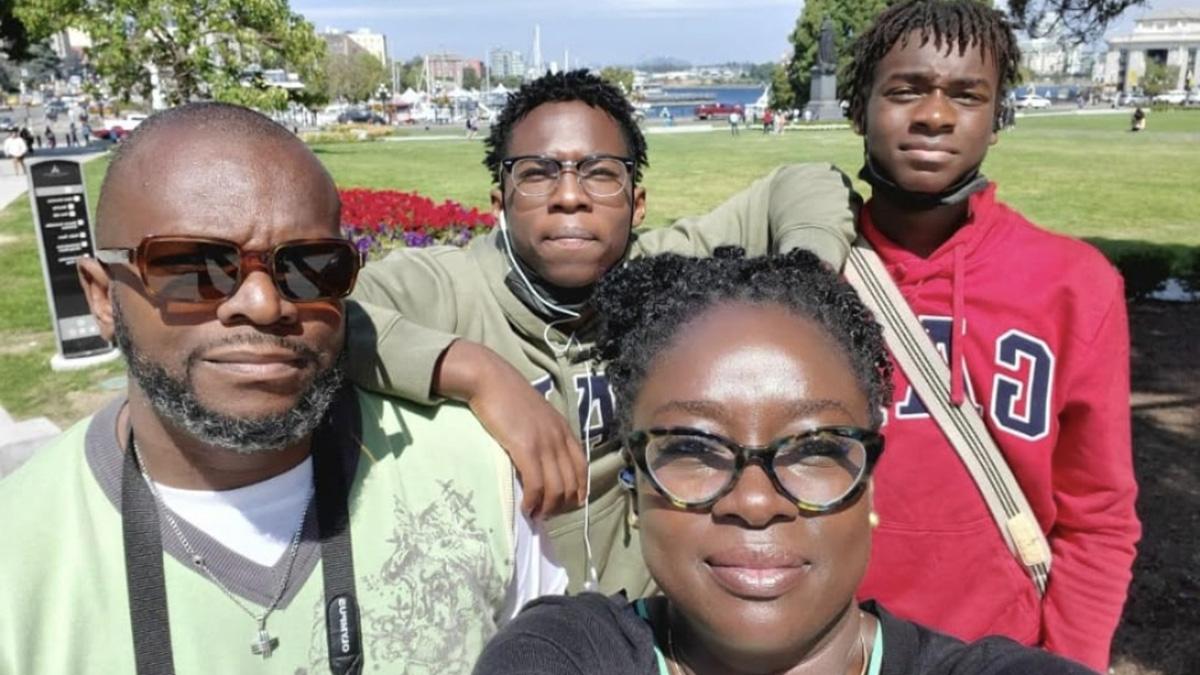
<point>649,301</point>
<point>948,23</point>
<point>573,85</point>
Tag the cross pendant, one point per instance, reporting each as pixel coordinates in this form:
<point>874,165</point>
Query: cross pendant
<point>265,644</point>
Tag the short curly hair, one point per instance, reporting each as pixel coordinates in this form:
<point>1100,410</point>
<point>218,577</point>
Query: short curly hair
<point>645,304</point>
<point>950,23</point>
<point>564,87</point>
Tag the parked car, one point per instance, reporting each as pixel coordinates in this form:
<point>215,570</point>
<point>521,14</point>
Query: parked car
<point>1173,97</point>
<point>1033,102</point>
<point>360,116</point>
<point>116,129</point>
<point>1193,97</point>
<point>1131,99</point>
<point>718,111</point>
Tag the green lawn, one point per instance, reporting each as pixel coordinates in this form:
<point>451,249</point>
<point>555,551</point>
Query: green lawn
<point>1086,176</point>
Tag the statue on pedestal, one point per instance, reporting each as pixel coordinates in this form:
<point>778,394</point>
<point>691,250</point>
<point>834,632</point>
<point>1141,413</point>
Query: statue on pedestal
<point>823,103</point>
<point>826,50</point>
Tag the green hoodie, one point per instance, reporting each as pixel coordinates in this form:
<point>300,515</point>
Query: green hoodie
<point>414,303</point>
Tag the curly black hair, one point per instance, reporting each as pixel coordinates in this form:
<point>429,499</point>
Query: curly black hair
<point>572,85</point>
<point>949,23</point>
<point>646,303</point>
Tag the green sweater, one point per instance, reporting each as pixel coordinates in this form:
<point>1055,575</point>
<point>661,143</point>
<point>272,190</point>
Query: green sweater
<point>414,303</point>
<point>430,509</point>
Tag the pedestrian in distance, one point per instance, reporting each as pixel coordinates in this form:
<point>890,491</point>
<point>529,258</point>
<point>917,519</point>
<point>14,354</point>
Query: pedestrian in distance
<point>735,119</point>
<point>1138,121</point>
<point>16,149</point>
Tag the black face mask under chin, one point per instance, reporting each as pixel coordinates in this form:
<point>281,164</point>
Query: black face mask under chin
<point>548,301</point>
<point>959,192</point>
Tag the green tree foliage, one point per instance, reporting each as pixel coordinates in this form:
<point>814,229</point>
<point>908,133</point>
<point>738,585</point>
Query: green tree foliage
<point>470,78</point>
<point>200,48</point>
<point>14,39</point>
<point>849,18</point>
<point>782,96</point>
<point>621,77</point>
<point>1159,78</point>
<point>353,78</point>
<point>1079,21</point>
<point>412,74</point>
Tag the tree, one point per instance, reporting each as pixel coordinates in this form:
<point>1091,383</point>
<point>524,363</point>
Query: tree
<point>849,18</point>
<point>1159,78</point>
<point>622,78</point>
<point>1078,21</point>
<point>355,77</point>
<point>782,96</point>
<point>14,38</point>
<point>470,78</point>
<point>196,48</point>
<point>412,74</point>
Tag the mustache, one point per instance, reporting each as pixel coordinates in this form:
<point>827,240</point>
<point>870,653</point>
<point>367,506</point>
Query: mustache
<point>303,352</point>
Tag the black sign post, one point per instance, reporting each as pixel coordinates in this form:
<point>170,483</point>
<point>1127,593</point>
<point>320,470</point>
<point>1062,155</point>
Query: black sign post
<point>59,200</point>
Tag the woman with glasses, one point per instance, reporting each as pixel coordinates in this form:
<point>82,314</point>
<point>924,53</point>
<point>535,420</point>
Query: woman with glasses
<point>755,389</point>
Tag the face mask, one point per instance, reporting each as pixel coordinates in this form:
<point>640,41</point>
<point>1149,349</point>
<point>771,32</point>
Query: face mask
<point>959,192</point>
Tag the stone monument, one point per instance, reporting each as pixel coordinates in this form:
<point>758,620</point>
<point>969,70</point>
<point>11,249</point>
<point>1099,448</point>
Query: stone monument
<point>823,101</point>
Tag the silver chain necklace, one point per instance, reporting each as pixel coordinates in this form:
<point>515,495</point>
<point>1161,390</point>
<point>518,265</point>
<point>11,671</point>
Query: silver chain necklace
<point>264,644</point>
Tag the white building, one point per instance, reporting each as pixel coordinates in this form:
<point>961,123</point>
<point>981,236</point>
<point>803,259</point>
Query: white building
<point>374,44</point>
<point>1167,36</point>
<point>505,63</point>
<point>1053,57</point>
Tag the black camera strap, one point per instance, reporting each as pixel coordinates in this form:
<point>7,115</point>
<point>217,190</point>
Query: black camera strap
<point>147,587</point>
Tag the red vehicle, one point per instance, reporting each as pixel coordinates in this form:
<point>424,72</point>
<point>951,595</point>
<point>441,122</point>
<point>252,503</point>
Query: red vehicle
<point>718,111</point>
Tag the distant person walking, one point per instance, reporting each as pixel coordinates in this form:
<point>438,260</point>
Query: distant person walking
<point>27,136</point>
<point>51,141</point>
<point>472,127</point>
<point>72,135</point>
<point>735,118</point>
<point>768,121</point>
<point>1138,122</point>
<point>85,132</point>
<point>16,149</point>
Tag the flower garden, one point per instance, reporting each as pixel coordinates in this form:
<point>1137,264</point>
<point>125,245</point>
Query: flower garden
<point>378,221</point>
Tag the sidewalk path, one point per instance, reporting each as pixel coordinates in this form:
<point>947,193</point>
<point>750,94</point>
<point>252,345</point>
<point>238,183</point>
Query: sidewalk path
<point>13,186</point>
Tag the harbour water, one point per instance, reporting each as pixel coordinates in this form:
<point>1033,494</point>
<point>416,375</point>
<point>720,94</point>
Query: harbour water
<point>743,95</point>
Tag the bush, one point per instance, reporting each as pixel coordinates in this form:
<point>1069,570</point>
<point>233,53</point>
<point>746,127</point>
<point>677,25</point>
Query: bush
<point>1188,271</point>
<point>1145,267</point>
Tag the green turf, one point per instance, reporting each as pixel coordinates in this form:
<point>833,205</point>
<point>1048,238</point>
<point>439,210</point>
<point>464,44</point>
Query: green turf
<point>1082,175</point>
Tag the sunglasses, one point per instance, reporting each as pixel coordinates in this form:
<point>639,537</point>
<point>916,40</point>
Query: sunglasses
<point>819,470</point>
<point>204,270</point>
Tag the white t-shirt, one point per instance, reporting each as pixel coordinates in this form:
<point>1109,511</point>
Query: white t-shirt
<point>258,522</point>
<point>14,146</point>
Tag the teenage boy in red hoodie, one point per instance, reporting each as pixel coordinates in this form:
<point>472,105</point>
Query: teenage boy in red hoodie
<point>1040,345</point>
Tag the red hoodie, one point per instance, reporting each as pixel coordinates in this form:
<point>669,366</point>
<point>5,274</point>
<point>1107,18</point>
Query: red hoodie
<point>1045,355</point>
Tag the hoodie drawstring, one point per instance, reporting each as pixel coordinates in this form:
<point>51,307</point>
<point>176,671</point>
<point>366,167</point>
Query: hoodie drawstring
<point>958,331</point>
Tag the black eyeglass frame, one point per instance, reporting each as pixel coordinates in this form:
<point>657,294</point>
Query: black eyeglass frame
<point>136,256</point>
<point>764,455</point>
<point>508,163</point>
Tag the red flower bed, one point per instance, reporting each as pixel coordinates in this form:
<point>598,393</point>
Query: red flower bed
<point>378,220</point>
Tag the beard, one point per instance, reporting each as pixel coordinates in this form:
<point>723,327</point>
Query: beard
<point>176,401</point>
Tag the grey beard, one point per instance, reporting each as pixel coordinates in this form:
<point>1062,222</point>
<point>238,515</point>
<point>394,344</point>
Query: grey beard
<point>175,399</point>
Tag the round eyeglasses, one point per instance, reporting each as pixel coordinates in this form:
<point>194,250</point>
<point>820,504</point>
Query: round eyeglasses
<point>598,175</point>
<point>819,470</point>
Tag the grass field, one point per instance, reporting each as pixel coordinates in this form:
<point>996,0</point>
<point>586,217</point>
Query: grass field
<point>1086,176</point>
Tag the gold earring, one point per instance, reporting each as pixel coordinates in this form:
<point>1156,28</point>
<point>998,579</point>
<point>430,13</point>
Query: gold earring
<point>873,519</point>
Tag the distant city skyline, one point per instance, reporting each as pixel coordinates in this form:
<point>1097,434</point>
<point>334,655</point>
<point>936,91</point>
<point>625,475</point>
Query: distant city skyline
<point>618,32</point>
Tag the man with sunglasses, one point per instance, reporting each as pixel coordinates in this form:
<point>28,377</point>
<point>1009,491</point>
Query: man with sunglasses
<point>507,324</point>
<point>240,510</point>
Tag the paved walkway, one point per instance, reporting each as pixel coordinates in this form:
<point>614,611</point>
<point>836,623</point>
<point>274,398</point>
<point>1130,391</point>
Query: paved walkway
<point>13,186</point>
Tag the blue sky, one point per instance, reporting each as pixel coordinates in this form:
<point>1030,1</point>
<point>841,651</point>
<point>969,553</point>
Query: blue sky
<point>596,33</point>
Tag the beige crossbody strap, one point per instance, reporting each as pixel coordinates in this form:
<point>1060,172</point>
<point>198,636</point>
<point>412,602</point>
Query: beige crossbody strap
<point>962,425</point>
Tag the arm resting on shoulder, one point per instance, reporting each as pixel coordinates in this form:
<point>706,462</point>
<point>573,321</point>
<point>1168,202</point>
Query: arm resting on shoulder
<point>810,206</point>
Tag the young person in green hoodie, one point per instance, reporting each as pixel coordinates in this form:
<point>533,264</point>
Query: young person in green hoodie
<point>506,324</point>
